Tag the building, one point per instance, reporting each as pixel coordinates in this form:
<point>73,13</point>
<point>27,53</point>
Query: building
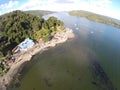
<point>23,46</point>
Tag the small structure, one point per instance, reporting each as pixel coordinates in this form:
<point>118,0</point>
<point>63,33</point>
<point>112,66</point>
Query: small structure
<point>23,46</point>
<point>26,44</point>
<point>10,62</point>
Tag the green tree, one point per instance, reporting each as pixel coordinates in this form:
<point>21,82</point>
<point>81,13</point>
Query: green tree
<point>17,26</point>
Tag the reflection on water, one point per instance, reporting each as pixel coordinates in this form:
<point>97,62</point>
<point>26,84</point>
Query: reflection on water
<point>90,61</point>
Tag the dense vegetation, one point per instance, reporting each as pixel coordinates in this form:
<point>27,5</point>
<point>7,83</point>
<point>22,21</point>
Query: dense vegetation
<point>17,26</point>
<point>95,17</point>
<point>38,12</point>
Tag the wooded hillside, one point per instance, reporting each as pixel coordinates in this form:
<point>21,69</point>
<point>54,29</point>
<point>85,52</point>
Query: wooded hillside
<point>17,26</point>
<point>38,12</point>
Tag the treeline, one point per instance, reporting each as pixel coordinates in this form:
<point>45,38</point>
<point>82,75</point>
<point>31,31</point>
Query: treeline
<point>38,12</point>
<point>17,26</point>
<point>95,17</point>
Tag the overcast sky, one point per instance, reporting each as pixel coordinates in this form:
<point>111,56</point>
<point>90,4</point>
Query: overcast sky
<point>105,7</point>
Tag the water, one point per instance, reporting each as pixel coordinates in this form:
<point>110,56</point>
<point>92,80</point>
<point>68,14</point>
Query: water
<point>90,61</point>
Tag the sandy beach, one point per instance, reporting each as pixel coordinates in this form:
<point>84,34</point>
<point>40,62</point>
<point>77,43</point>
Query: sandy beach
<point>26,56</point>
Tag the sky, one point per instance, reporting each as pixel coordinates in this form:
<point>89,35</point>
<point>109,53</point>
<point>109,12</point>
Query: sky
<point>109,8</point>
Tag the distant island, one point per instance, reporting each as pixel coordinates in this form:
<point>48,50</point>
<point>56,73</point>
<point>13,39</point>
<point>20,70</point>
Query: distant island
<point>22,35</point>
<point>39,12</point>
<point>95,17</point>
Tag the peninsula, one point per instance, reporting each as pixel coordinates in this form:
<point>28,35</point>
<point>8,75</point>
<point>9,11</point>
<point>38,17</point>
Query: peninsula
<point>40,35</point>
<point>95,17</point>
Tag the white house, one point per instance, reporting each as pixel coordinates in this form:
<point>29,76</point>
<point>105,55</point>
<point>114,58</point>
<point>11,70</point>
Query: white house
<point>23,46</point>
<point>27,43</point>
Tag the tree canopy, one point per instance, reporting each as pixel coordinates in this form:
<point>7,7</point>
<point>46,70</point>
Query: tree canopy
<point>17,26</point>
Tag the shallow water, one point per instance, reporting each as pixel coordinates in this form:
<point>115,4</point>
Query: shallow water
<point>90,61</point>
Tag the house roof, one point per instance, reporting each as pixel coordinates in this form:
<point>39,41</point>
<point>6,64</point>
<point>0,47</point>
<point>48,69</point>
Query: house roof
<point>27,43</point>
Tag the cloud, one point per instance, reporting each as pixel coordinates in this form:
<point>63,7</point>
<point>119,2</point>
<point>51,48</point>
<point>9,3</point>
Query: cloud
<point>97,6</point>
<point>66,5</point>
<point>54,5</point>
<point>58,5</point>
<point>64,1</point>
<point>9,5</point>
<point>100,3</point>
<point>0,13</point>
<point>31,4</point>
<point>100,6</point>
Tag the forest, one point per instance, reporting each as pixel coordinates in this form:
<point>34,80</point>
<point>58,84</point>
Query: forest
<point>38,12</point>
<point>16,26</point>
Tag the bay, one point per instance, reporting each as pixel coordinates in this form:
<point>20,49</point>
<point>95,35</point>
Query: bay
<point>90,61</point>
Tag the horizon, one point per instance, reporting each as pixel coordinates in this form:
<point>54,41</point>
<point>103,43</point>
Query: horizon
<point>108,8</point>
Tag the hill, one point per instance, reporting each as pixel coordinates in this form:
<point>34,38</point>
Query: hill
<point>96,17</point>
<point>38,12</point>
<point>17,26</point>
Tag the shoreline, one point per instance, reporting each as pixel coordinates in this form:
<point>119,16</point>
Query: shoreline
<point>59,37</point>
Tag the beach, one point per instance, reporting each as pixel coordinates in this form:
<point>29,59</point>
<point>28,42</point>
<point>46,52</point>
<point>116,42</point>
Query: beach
<point>59,37</point>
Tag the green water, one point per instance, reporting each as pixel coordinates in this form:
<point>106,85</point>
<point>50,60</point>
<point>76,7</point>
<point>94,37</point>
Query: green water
<point>69,66</point>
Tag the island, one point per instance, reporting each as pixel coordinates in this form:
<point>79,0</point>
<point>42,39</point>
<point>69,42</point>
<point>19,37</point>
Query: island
<point>95,17</point>
<point>23,35</point>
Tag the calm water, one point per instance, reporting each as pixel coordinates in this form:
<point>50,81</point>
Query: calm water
<point>90,61</point>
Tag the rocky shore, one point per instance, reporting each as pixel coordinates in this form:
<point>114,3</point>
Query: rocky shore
<point>23,57</point>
